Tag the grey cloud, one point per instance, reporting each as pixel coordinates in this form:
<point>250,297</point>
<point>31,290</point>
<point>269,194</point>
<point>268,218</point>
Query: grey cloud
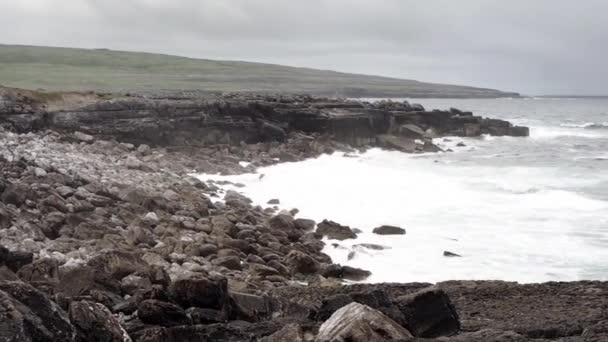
<point>541,46</point>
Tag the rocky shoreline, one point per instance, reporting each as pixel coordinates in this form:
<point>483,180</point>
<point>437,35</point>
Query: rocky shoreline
<point>105,237</point>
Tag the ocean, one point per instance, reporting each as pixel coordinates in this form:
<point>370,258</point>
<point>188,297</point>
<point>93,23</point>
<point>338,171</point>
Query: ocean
<point>518,209</point>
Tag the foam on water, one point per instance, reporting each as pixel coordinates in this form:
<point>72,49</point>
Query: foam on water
<point>507,223</point>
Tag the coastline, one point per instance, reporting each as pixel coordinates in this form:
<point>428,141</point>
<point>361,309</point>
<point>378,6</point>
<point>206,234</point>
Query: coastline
<point>97,205</point>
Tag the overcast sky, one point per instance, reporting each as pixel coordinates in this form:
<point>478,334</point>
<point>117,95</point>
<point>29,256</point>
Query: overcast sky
<point>530,46</point>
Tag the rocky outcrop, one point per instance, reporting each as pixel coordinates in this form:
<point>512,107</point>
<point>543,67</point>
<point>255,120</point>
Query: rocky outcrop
<point>235,118</point>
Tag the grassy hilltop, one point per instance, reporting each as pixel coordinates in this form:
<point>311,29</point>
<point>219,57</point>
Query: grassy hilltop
<point>52,68</point>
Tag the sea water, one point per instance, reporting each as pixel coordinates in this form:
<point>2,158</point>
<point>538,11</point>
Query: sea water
<point>520,209</point>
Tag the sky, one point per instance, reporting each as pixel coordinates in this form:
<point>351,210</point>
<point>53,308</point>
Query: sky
<point>530,46</point>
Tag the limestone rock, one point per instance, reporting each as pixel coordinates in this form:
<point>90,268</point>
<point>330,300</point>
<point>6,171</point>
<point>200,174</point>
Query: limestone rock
<point>360,323</point>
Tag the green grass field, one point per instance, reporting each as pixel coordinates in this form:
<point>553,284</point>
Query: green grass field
<point>57,69</point>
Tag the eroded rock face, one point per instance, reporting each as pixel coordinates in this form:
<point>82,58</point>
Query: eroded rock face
<point>359,323</point>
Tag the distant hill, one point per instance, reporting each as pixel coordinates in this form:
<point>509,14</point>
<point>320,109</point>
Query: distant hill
<point>52,68</point>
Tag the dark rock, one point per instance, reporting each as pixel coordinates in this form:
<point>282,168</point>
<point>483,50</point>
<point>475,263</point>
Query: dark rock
<point>355,274</point>
<point>161,313</point>
<point>411,131</point>
<point>389,230</point>
<point>393,142</point>
<point>230,262</point>
<point>14,260</point>
<point>451,255</point>
<point>250,308</point>
<point>96,323</point>
<point>206,316</point>
<point>291,332</point>
<point>16,194</point>
<point>82,280</point>
<point>40,270</point>
<point>281,221</point>
<point>520,131</point>
<point>359,323</point>
<point>332,304</point>
<point>299,262</point>
<point>26,314</point>
<point>335,230</point>
<point>7,275</point>
<point>429,313</point>
<point>204,292</point>
<point>271,132</point>
<point>304,224</point>
<point>118,264</point>
<point>132,283</point>
<point>274,201</point>
<point>206,250</point>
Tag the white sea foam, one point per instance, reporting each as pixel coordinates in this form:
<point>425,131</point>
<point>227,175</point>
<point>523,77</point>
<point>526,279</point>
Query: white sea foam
<point>557,132</point>
<point>511,223</point>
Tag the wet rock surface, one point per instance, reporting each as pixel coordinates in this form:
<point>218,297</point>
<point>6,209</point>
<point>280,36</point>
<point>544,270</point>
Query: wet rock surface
<point>104,236</point>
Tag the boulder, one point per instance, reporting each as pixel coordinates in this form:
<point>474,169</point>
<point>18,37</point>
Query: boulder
<point>355,274</point>
<point>291,332</point>
<point>429,313</point>
<point>335,230</point>
<point>118,264</point>
<point>132,283</point>
<point>299,262</point>
<point>14,260</point>
<point>360,323</point>
<point>249,307</point>
<point>26,314</point>
<point>200,291</point>
<point>230,262</point>
<point>389,230</point>
<point>96,323</point>
<point>165,314</point>
<point>393,142</point>
<point>46,269</point>
<point>412,132</point>
<point>82,280</point>
<point>304,224</point>
<point>282,222</point>
<point>274,201</point>
<point>206,316</point>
